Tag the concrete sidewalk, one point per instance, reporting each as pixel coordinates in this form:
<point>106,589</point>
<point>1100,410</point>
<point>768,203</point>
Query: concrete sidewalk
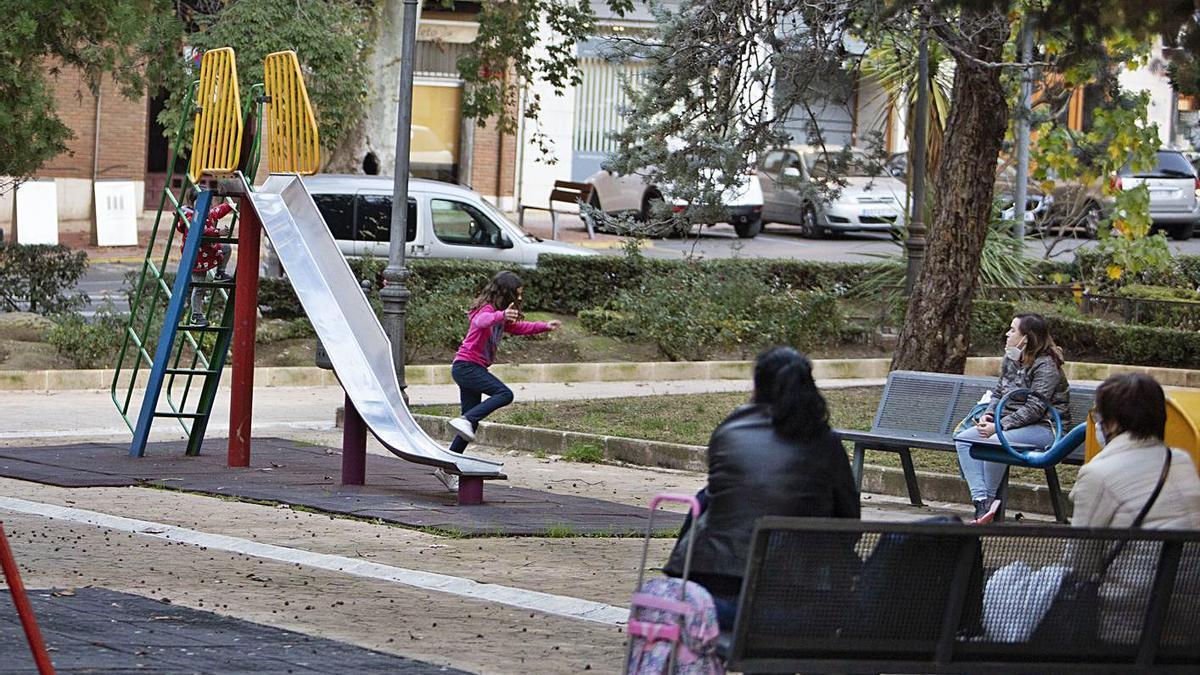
<point>53,416</point>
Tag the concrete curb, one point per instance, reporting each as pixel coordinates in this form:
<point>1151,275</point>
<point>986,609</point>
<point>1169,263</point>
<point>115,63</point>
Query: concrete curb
<point>661,371</point>
<point>876,479</point>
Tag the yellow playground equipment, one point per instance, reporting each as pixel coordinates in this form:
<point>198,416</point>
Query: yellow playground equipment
<point>1183,424</point>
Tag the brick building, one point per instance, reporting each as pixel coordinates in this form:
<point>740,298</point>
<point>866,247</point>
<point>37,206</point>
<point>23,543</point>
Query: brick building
<point>116,138</point>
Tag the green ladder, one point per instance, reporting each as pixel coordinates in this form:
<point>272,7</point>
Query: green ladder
<point>175,353</point>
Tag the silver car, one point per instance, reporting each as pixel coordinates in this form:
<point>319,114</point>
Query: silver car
<point>867,203</point>
<point>445,221</point>
<point>1173,186</point>
<point>635,195</point>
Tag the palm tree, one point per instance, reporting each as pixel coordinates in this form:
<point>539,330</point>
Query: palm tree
<point>893,64</point>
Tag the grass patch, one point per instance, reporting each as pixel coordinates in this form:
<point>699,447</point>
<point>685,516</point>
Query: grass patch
<point>586,453</point>
<point>690,419</point>
<point>559,531</point>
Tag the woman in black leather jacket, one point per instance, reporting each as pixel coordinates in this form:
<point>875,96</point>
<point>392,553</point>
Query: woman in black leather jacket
<point>774,457</point>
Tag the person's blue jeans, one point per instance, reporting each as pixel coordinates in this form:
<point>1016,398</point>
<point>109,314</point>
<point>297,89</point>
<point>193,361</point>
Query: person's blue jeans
<point>473,382</point>
<point>984,477</point>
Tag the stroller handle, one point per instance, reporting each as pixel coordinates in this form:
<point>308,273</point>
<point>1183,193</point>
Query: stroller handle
<point>690,500</point>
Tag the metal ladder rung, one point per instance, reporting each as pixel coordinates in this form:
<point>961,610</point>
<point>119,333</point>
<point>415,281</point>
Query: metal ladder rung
<point>212,284</point>
<point>204,329</point>
<point>176,415</point>
<point>219,240</point>
<point>190,371</point>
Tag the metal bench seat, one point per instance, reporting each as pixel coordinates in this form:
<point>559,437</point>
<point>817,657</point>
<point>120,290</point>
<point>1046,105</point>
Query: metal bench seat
<point>921,410</point>
<point>840,595</point>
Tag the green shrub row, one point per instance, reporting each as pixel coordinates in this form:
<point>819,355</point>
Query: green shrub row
<point>1084,339</point>
<point>42,277</point>
<point>692,311</point>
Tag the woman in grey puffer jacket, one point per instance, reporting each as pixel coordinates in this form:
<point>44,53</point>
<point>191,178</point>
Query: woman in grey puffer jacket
<point>1031,361</point>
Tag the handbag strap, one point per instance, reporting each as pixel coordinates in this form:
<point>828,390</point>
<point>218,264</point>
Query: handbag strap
<point>1141,516</point>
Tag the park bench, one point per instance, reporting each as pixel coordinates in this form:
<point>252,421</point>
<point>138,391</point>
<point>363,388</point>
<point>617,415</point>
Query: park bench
<point>837,596</point>
<point>564,192</point>
<point>921,410</point>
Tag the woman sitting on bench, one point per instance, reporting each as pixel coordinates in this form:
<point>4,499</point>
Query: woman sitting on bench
<point>1031,361</point>
<point>773,457</point>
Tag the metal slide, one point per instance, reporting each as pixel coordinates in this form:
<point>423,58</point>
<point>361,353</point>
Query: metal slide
<point>339,311</point>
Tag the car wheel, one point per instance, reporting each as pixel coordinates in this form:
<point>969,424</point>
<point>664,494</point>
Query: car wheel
<point>650,204</point>
<point>748,229</point>
<point>808,223</point>
<point>1183,232</point>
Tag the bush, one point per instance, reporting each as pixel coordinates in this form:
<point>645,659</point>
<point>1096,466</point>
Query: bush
<point>41,275</point>
<point>1183,312</point>
<point>88,344</point>
<point>277,330</point>
<point>1093,340</point>
<point>1189,268</point>
<point>694,310</point>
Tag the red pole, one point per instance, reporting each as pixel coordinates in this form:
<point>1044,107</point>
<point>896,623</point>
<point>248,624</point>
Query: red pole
<point>24,609</point>
<point>245,322</point>
<point>354,446</point>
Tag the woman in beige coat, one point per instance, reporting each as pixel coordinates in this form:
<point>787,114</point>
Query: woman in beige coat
<point>1114,487</point>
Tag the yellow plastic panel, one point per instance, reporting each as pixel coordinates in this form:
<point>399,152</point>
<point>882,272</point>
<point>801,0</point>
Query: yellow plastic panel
<point>1183,425</point>
<point>217,137</point>
<point>293,145</point>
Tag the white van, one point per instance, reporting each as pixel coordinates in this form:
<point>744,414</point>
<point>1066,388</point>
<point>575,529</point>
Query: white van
<point>445,221</point>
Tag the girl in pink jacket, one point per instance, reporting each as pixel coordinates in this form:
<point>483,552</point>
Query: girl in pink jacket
<point>496,311</point>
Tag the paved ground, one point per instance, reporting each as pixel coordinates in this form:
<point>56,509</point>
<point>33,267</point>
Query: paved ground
<point>96,630</point>
<point>488,605</point>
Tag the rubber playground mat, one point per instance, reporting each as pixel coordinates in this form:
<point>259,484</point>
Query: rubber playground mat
<point>306,475</point>
<point>95,630</point>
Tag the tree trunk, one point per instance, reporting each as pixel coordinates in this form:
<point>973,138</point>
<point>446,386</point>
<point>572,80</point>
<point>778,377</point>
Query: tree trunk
<point>370,145</point>
<point>937,326</point>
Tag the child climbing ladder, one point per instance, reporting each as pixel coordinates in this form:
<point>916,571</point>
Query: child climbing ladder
<point>211,256</point>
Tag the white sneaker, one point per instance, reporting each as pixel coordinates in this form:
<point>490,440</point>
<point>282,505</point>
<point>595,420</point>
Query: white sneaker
<point>463,426</point>
<point>448,479</point>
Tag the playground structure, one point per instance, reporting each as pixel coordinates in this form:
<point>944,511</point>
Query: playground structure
<point>225,152</point>
<point>16,589</point>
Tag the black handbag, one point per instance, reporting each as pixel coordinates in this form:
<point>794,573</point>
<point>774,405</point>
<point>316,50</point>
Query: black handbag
<point>1074,615</point>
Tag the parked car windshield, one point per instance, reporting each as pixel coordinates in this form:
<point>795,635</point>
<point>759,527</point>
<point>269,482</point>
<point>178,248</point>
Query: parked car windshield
<point>499,215</point>
<point>1167,165</point>
<point>857,164</point>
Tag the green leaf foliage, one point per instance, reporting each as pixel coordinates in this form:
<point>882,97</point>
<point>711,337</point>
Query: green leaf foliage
<point>330,39</point>
<point>42,276</point>
<point>38,38</point>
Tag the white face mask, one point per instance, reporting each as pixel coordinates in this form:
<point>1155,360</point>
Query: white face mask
<point>1099,429</point>
<point>1013,353</point>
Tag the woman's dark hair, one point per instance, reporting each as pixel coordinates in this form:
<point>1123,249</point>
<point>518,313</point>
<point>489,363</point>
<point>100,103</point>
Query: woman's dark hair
<point>500,292</point>
<point>1038,341</point>
<point>783,381</point>
<point>1135,403</point>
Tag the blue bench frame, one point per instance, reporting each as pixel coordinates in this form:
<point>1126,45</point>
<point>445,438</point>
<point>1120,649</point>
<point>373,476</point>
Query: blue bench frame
<point>920,410</point>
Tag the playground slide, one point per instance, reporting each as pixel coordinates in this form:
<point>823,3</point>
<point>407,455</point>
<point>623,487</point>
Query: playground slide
<point>339,311</point>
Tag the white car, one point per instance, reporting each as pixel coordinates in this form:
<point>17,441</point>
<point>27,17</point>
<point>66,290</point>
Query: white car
<point>445,221</point>
<point>636,195</point>
<point>866,203</point>
<point>1174,187</point>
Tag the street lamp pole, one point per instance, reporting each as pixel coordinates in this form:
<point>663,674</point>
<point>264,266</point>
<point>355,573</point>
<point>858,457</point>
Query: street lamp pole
<point>915,244</point>
<point>395,291</point>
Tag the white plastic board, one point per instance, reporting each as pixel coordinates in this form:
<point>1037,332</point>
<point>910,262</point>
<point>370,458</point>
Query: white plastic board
<point>116,213</point>
<point>37,212</point>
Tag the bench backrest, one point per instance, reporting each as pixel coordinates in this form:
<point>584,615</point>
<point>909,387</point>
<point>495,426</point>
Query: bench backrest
<point>928,406</point>
<point>571,193</point>
<point>907,596</point>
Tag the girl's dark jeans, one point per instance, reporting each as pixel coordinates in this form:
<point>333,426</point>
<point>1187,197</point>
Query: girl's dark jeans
<point>473,382</point>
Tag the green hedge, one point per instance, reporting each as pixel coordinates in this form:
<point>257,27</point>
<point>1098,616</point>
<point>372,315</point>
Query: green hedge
<point>1091,339</point>
<point>570,284</point>
<point>42,277</point>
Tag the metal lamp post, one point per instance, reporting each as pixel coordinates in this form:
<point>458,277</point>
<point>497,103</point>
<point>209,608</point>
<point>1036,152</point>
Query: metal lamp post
<point>395,292</point>
<point>915,244</point>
